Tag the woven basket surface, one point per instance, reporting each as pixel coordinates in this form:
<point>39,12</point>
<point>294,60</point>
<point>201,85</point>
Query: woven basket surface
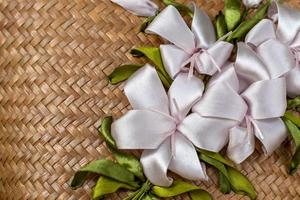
<point>54,59</point>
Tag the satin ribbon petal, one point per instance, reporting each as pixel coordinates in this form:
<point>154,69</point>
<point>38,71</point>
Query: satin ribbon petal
<point>249,66</point>
<point>221,101</point>
<point>261,32</point>
<point>145,8</point>
<point>274,132</point>
<point>219,53</point>
<point>241,144</point>
<point>204,133</point>
<point>284,61</point>
<point>205,37</point>
<point>251,3</point>
<point>141,129</point>
<point>143,95</point>
<point>267,98</point>
<point>185,161</point>
<point>156,162</point>
<point>183,94</point>
<point>293,82</point>
<point>227,75</point>
<point>170,25</point>
<point>173,58</point>
<point>288,21</point>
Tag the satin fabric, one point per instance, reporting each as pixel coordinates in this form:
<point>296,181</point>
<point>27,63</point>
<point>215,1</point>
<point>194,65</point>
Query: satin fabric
<point>196,47</point>
<point>144,8</point>
<point>278,46</point>
<point>153,123</point>
<point>251,3</point>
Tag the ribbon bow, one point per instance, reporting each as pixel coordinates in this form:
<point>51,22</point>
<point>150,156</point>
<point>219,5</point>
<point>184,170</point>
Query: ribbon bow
<point>266,102</point>
<point>145,8</point>
<point>153,125</point>
<point>197,46</point>
<point>279,49</point>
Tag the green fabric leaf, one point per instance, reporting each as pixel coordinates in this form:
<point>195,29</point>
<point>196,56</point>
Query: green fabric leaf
<point>122,73</point>
<point>295,162</point>
<point>105,168</point>
<point>200,195</point>
<point>216,156</point>
<point>232,13</point>
<point>224,184</point>
<point>153,54</point>
<point>240,183</point>
<point>294,103</point>
<point>294,131</point>
<point>177,188</point>
<point>293,117</point>
<point>146,23</point>
<point>179,6</point>
<point>141,193</point>
<point>247,25</point>
<point>108,186</point>
<point>127,160</point>
<point>105,131</point>
<point>220,24</point>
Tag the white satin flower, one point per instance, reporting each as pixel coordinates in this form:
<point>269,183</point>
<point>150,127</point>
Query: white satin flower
<point>279,47</point>
<point>144,8</point>
<point>251,3</point>
<point>196,46</point>
<point>152,125</point>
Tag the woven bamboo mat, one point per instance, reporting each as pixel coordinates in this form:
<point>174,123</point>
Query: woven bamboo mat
<point>54,58</point>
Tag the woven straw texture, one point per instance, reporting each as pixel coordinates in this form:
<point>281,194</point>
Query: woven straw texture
<point>54,59</point>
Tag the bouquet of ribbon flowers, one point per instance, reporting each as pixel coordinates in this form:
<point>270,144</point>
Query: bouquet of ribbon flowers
<point>215,84</point>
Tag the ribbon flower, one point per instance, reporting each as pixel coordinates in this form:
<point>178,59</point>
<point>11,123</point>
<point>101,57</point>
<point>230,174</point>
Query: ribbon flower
<point>197,46</point>
<point>279,49</point>
<point>266,101</point>
<point>144,8</point>
<point>153,125</point>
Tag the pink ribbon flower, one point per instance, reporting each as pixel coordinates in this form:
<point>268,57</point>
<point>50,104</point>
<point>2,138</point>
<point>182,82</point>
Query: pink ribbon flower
<point>197,47</point>
<point>153,123</point>
<point>279,49</point>
<point>144,8</point>
<point>251,3</point>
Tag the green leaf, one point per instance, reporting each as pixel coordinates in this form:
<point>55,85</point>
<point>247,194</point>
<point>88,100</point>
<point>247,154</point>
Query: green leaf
<point>105,168</point>
<point>216,156</point>
<point>224,184</point>
<point>220,24</point>
<point>295,162</point>
<point>153,54</point>
<point>293,117</point>
<point>146,23</point>
<point>294,103</point>
<point>200,195</point>
<point>232,12</point>
<point>247,25</point>
<point>177,188</point>
<point>127,160</point>
<point>106,132</point>
<point>108,186</point>
<point>122,73</point>
<point>294,131</point>
<point>179,6</point>
<point>240,183</point>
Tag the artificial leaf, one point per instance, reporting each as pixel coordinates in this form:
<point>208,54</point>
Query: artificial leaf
<point>293,117</point>
<point>122,73</point>
<point>177,188</point>
<point>247,25</point>
<point>146,23</point>
<point>220,24</point>
<point>105,168</point>
<point>179,6</point>
<point>294,131</point>
<point>216,156</point>
<point>232,13</point>
<point>294,103</point>
<point>200,195</point>
<point>224,184</point>
<point>127,160</point>
<point>141,193</point>
<point>106,185</point>
<point>240,183</point>
<point>295,162</point>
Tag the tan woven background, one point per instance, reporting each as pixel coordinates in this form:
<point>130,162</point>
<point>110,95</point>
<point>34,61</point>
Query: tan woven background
<point>54,58</point>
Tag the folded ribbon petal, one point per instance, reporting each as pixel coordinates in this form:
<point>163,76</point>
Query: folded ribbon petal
<point>251,3</point>
<point>293,83</point>
<point>145,8</point>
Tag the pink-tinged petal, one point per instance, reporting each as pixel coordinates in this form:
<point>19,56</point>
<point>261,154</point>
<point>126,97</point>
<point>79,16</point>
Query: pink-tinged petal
<point>171,26</point>
<point>206,133</point>
<point>185,161</point>
<point>145,8</point>
<point>293,82</point>
<point>141,129</point>
<point>145,91</point>
<point>183,94</point>
<point>156,162</point>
